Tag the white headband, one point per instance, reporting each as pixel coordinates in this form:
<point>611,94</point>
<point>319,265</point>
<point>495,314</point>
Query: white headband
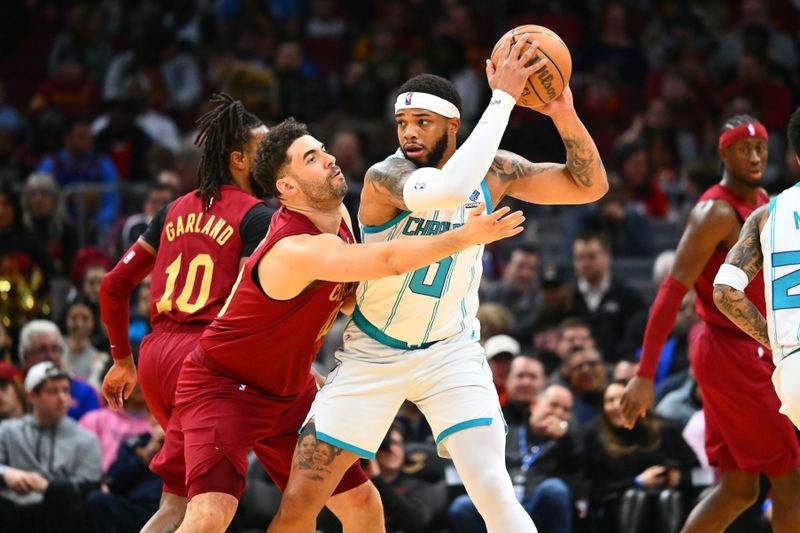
<point>426,101</point>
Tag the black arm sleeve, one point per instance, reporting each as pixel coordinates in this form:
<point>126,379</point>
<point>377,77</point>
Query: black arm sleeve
<point>254,227</point>
<point>152,235</point>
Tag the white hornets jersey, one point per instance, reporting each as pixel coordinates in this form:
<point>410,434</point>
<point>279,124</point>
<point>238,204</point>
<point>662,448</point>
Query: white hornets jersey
<point>780,244</point>
<point>413,310</point>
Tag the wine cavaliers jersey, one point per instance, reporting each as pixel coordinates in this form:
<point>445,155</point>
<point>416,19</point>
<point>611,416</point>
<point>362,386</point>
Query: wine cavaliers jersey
<point>270,344</point>
<point>704,286</point>
<point>199,251</point>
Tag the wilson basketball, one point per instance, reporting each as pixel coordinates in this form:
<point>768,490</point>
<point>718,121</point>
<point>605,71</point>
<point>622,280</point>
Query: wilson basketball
<point>548,82</point>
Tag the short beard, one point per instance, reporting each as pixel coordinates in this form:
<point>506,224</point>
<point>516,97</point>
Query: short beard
<point>324,193</point>
<point>434,157</point>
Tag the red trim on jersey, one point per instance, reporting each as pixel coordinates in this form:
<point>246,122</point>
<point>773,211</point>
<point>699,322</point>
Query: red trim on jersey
<point>115,293</point>
<point>659,325</point>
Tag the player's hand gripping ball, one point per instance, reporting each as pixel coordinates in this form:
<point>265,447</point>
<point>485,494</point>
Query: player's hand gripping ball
<point>548,82</point>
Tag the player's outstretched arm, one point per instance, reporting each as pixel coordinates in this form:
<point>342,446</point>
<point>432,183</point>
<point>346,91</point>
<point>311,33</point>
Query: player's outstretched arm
<point>710,223</point>
<point>581,180</point>
<point>296,261</point>
<point>742,264</point>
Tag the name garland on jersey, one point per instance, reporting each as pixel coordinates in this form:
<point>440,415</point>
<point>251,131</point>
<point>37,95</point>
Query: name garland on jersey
<point>216,228</point>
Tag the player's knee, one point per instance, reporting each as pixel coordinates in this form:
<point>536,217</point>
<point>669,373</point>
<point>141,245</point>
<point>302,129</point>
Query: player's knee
<point>493,490</point>
<point>744,494</point>
<point>301,498</point>
<point>368,500</point>
<point>173,506</point>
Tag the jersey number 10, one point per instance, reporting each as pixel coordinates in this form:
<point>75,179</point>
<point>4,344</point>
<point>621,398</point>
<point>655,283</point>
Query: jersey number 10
<point>182,302</point>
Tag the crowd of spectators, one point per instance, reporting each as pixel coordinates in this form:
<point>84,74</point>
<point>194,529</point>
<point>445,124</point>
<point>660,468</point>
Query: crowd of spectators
<point>98,100</point>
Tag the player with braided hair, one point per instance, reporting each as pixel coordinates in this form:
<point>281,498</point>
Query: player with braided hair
<point>194,247</point>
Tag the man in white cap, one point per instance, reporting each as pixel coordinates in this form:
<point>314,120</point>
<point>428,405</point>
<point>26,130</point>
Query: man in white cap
<point>45,452</point>
<point>500,350</point>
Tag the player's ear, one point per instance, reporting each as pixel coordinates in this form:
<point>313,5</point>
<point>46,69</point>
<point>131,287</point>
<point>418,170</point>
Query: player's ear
<point>454,124</point>
<point>286,186</point>
<point>723,152</point>
<point>237,160</point>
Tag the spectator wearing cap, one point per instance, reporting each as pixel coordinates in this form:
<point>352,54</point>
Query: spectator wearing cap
<point>40,341</point>
<point>46,459</point>
<point>545,459</point>
<point>500,350</point>
<point>518,289</point>
<point>12,396</point>
<point>526,378</point>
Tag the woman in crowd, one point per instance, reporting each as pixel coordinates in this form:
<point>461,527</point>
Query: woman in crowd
<point>639,479</point>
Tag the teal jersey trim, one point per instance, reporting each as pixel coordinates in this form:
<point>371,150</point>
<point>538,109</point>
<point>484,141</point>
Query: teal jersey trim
<point>791,353</point>
<point>487,197</point>
<point>343,445</point>
<point>461,425</point>
<point>387,225</point>
<point>773,208</point>
<point>376,334</point>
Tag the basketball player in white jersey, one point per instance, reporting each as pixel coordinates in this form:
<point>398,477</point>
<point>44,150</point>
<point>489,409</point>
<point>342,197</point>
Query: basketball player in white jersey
<point>416,336</point>
<point>770,239</point>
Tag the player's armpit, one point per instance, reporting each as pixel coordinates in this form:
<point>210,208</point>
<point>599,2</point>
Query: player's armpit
<point>581,180</point>
<point>388,178</point>
<point>746,254</point>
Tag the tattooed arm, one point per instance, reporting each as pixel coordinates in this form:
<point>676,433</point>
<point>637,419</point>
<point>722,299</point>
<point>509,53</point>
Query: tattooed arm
<point>382,194</point>
<point>582,179</point>
<point>747,256</point>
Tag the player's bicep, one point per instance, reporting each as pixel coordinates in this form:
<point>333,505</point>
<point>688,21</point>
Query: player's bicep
<point>746,254</point>
<point>708,226</point>
<point>305,258</point>
<point>386,180</point>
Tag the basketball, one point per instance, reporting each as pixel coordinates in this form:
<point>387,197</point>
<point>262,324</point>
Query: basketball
<point>548,82</point>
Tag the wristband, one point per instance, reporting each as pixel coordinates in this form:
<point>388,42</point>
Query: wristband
<point>732,276</point>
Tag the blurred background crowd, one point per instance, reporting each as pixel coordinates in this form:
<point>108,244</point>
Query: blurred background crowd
<point>98,100</point>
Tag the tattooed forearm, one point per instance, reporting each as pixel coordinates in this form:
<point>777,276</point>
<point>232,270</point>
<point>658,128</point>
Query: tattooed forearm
<point>314,457</point>
<point>741,311</point>
<point>580,160</point>
<point>390,176</point>
<point>510,167</point>
<point>746,253</point>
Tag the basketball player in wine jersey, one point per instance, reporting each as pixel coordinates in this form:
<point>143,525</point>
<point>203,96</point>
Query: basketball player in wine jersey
<point>248,384</point>
<point>745,433</point>
<point>193,247</point>
<point>415,336</point>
